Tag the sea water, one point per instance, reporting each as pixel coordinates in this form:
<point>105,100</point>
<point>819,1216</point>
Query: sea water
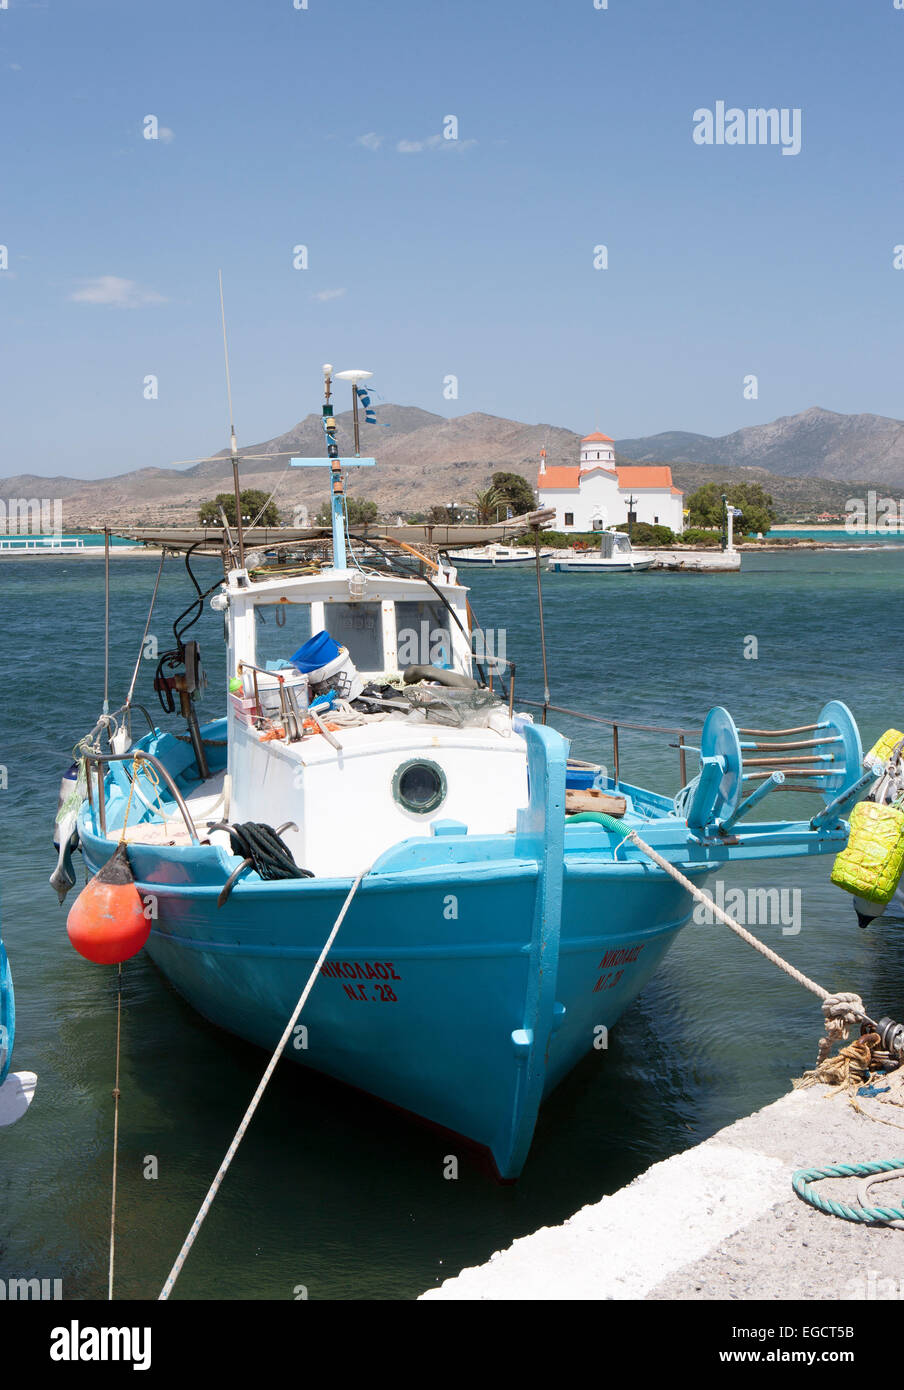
<point>333,1195</point>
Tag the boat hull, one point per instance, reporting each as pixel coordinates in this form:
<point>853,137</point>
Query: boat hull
<point>422,1000</point>
<point>471,972</point>
<point>599,566</point>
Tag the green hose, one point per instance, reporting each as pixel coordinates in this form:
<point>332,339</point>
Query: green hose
<point>599,818</point>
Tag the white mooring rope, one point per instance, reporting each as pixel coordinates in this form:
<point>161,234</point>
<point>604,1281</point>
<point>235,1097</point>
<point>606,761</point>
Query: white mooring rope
<point>255,1099</point>
<point>840,1010</point>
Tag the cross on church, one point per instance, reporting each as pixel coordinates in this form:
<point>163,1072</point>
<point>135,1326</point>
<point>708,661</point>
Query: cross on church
<point>632,515</point>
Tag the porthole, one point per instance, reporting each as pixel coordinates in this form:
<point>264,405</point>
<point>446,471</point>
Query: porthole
<point>419,786</point>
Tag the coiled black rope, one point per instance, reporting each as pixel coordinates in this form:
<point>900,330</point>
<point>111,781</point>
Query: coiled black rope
<point>267,850</point>
<point>263,849</point>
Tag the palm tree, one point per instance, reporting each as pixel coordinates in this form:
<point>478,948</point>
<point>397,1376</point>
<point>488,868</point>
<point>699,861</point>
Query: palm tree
<point>487,504</point>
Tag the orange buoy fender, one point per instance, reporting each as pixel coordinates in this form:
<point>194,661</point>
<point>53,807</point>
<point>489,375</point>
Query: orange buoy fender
<point>107,922</point>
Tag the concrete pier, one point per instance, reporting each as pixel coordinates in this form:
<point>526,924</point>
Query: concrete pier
<point>721,1220</point>
<point>701,561</point>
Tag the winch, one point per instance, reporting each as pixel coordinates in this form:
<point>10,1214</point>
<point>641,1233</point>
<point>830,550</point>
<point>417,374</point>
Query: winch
<point>188,684</point>
<point>891,1036</point>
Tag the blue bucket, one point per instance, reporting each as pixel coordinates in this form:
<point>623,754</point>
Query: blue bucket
<point>318,651</point>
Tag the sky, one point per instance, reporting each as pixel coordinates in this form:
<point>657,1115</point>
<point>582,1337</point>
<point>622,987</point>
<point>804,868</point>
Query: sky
<point>462,271</point>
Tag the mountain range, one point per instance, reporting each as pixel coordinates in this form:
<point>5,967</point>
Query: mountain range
<point>808,462</point>
<point>816,443</point>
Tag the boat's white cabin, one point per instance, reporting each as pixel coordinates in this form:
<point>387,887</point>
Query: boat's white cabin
<point>386,628</point>
<point>380,777</point>
<point>615,545</point>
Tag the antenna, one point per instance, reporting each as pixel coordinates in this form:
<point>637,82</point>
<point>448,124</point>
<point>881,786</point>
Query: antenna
<point>354,376</point>
<point>232,441</point>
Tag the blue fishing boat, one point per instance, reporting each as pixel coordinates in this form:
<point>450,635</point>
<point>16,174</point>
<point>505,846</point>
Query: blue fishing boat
<point>16,1088</point>
<point>500,916</point>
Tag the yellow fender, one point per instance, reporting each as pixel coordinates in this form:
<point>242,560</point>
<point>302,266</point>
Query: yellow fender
<point>871,863</point>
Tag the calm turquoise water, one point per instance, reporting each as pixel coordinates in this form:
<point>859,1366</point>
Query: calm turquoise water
<point>331,1190</point>
<point>819,533</point>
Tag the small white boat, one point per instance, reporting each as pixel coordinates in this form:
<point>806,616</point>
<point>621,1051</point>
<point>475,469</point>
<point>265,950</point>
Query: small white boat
<point>616,555</point>
<point>497,554</point>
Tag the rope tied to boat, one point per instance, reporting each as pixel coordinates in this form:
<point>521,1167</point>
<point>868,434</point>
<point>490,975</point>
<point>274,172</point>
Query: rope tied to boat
<point>841,1010</point>
<point>256,1098</point>
<point>116,1098</point>
<point>846,1069</point>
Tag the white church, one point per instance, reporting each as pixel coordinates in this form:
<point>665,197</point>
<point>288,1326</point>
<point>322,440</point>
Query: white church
<point>598,493</point>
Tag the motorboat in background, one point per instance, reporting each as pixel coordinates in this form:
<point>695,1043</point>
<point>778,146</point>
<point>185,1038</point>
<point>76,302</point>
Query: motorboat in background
<point>497,554</point>
<point>616,555</point>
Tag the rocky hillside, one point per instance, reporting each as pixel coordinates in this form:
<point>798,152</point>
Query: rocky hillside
<point>814,444</point>
<point>809,462</point>
<point>421,459</point>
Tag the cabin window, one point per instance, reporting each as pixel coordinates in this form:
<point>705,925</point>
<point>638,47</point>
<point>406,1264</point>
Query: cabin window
<point>358,626</point>
<point>423,637</point>
<point>569,518</point>
<point>279,630</point>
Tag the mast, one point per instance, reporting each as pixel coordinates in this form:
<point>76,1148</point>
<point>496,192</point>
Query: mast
<point>233,446</point>
<point>337,482</point>
<point>333,461</point>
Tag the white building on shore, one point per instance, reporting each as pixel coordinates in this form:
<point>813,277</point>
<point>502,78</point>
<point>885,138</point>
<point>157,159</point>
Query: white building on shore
<point>598,493</point>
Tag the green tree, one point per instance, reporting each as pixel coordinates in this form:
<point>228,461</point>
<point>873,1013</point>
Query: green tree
<point>648,533</point>
<point>754,503</point>
<point>253,502</point>
<point>360,512</point>
<point>515,492</point>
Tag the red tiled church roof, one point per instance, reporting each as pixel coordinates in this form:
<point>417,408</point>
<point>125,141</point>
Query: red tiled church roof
<point>559,477</point>
<point>645,475</point>
<point>631,476</point>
